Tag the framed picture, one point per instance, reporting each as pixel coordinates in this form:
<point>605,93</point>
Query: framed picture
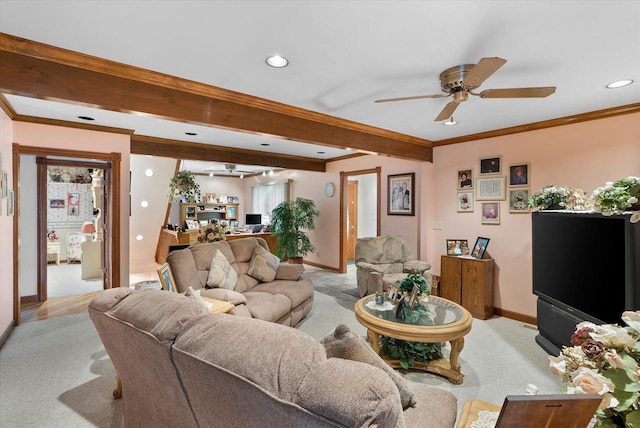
<point>490,165</point>
<point>465,202</point>
<point>399,304</point>
<point>231,212</point>
<point>465,179</point>
<point>192,224</point>
<point>392,292</point>
<point>5,184</point>
<point>518,201</point>
<point>457,247</point>
<point>210,198</point>
<point>166,278</point>
<point>74,210</point>
<point>73,198</point>
<point>10,202</point>
<point>401,194</point>
<point>56,203</point>
<point>480,247</point>
<point>490,213</point>
<point>491,189</point>
<point>519,175</point>
<point>414,295</point>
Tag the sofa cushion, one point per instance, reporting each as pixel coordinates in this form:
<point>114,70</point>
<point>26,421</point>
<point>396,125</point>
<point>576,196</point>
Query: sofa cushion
<point>289,271</point>
<point>266,306</point>
<point>441,407</point>
<point>183,268</point>
<point>221,273</point>
<point>225,295</point>
<point>416,266</point>
<point>343,343</point>
<point>243,249</point>
<point>264,265</point>
<point>297,292</point>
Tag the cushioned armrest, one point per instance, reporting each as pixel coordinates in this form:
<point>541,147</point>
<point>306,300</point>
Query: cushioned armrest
<point>289,271</point>
<point>369,267</point>
<point>225,295</point>
<point>416,266</point>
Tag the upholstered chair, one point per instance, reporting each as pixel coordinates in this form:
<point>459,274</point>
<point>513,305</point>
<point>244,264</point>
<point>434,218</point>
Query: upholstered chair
<point>386,259</point>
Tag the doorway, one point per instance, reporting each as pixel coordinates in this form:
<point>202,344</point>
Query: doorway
<point>359,210</point>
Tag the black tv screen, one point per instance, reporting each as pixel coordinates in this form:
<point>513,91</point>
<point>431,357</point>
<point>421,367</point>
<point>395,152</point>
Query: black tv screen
<point>586,264</point>
<point>253,219</point>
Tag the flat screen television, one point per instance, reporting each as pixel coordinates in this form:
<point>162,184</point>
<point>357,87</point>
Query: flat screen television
<point>252,219</point>
<point>587,264</point>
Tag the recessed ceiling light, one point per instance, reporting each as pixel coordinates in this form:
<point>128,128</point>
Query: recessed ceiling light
<point>191,133</point>
<point>139,237</point>
<point>211,174</point>
<point>450,122</point>
<point>264,173</point>
<point>85,118</point>
<point>277,61</point>
<point>144,204</point>
<point>149,173</point>
<point>320,153</point>
<point>619,83</point>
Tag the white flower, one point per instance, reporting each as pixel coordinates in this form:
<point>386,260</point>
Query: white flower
<point>614,360</point>
<point>558,365</point>
<point>612,335</point>
<point>632,200</point>
<point>632,319</point>
<point>587,381</point>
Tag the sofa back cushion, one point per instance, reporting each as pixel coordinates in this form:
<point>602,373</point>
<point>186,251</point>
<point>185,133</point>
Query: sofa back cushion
<point>383,249</point>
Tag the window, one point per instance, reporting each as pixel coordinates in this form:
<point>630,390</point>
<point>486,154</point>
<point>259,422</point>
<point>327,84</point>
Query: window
<point>265,197</point>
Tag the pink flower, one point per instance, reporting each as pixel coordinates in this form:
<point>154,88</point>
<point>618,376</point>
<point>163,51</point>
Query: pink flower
<point>614,360</point>
<point>588,381</point>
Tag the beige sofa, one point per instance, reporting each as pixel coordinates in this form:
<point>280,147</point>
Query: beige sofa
<point>284,300</point>
<point>183,366</point>
<point>386,259</point>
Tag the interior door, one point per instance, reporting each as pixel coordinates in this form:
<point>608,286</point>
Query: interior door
<point>352,218</point>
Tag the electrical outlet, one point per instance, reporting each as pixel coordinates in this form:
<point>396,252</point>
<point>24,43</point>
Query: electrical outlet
<point>436,225</point>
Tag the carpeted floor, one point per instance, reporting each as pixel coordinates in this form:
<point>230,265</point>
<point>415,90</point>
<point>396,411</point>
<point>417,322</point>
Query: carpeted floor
<point>55,373</point>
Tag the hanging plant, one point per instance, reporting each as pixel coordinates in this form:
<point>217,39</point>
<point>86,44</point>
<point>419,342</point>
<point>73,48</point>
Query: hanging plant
<point>184,187</point>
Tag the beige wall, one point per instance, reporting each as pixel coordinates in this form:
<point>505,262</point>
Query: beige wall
<point>6,229</point>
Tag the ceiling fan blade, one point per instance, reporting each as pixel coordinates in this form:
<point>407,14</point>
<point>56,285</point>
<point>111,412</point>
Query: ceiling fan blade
<point>481,71</point>
<point>540,92</point>
<point>418,97</point>
<point>447,111</point>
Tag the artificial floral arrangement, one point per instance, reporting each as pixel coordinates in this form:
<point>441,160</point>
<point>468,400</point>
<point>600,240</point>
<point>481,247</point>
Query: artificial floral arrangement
<point>559,198</point>
<point>184,184</point>
<point>605,360</point>
<point>52,235</point>
<point>212,233</point>
<point>618,196</point>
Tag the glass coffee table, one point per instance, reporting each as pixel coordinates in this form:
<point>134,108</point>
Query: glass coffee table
<point>448,322</point>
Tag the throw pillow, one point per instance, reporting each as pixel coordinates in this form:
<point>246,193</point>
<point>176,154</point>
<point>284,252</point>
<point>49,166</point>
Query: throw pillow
<point>221,274</point>
<point>264,265</point>
<point>343,343</point>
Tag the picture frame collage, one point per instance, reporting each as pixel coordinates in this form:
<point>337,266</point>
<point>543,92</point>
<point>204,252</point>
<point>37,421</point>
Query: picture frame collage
<point>491,186</point>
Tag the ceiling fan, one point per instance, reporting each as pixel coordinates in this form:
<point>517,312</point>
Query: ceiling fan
<point>229,169</point>
<point>461,80</point>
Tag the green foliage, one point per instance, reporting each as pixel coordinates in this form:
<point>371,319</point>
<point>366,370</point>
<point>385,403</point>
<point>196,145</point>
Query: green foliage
<point>410,352</point>
<point>413,279</point>
<point>419,315</point>
<point>288,222</point>
<point>184,184</point>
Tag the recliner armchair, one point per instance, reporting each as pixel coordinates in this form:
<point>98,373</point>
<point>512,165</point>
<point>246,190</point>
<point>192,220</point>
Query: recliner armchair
<point>388,259</point>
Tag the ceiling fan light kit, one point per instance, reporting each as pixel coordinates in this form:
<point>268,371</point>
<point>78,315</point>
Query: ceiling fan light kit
<point>460,81</point>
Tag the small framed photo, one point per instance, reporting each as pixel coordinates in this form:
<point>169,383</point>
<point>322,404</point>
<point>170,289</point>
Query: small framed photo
<point>519,175</point>
<point>10,202</point>
<point>56,203</point>
<point>414,295</point>
<point>490,213</point>
<point>210,198</point>
<point>490,165</point>
<point>465,202</point>
<point>74,210</point>
<point>192,224</point>
<point>166,278</point>
<point>401,194</point>
<point>457,247</point>
<point>491,188</point>
<point>518,201</point>
<point>480,247</point>
<point>73,198</point>
<point>392,292</point>
<point>465,179</point>
<point>5,185</point>
<point>399,303</point>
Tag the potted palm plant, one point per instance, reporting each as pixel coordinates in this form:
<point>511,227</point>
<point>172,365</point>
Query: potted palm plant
<point>289,220</point>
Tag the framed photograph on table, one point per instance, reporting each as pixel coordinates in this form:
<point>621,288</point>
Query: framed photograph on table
<point>465,202</point>
<point>166,278</point>
<point>457,247</point>
<point>401,194</point>
<point>519,175</point>
<point>491,188</point>
<point>490,165</point>
<point>480,247</point>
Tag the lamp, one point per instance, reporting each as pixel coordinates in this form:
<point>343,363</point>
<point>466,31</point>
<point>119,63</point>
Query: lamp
<point>88,228</point>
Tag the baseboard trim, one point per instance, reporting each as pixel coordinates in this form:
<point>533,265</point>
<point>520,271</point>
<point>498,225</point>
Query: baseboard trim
<point>516,316</point>
<point>28,299</point>
<point>6,334</point>
<point>318,265</point>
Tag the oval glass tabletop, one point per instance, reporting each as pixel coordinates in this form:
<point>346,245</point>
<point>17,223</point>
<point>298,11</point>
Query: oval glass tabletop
<point>432,311</point>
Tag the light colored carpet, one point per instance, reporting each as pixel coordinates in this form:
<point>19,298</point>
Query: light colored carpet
<point>66,280</point>
<point>55,373</point>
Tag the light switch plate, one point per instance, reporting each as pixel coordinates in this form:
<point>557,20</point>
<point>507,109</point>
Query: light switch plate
<point>436,225</point>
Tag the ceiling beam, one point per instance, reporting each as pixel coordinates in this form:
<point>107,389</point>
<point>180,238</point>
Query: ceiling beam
<point>37,70</point>
<point>206,152</point>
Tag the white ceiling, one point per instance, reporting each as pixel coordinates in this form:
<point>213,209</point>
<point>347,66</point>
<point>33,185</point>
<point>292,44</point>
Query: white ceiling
<point>346,54</point>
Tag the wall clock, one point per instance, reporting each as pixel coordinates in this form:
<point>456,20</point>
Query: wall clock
<point>329,189</point>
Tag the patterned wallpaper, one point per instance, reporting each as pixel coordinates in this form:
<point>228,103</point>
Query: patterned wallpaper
<point>69,205</point>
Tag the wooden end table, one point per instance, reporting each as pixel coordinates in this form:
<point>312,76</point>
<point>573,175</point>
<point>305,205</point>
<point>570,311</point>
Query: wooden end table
<point>450,323</point>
